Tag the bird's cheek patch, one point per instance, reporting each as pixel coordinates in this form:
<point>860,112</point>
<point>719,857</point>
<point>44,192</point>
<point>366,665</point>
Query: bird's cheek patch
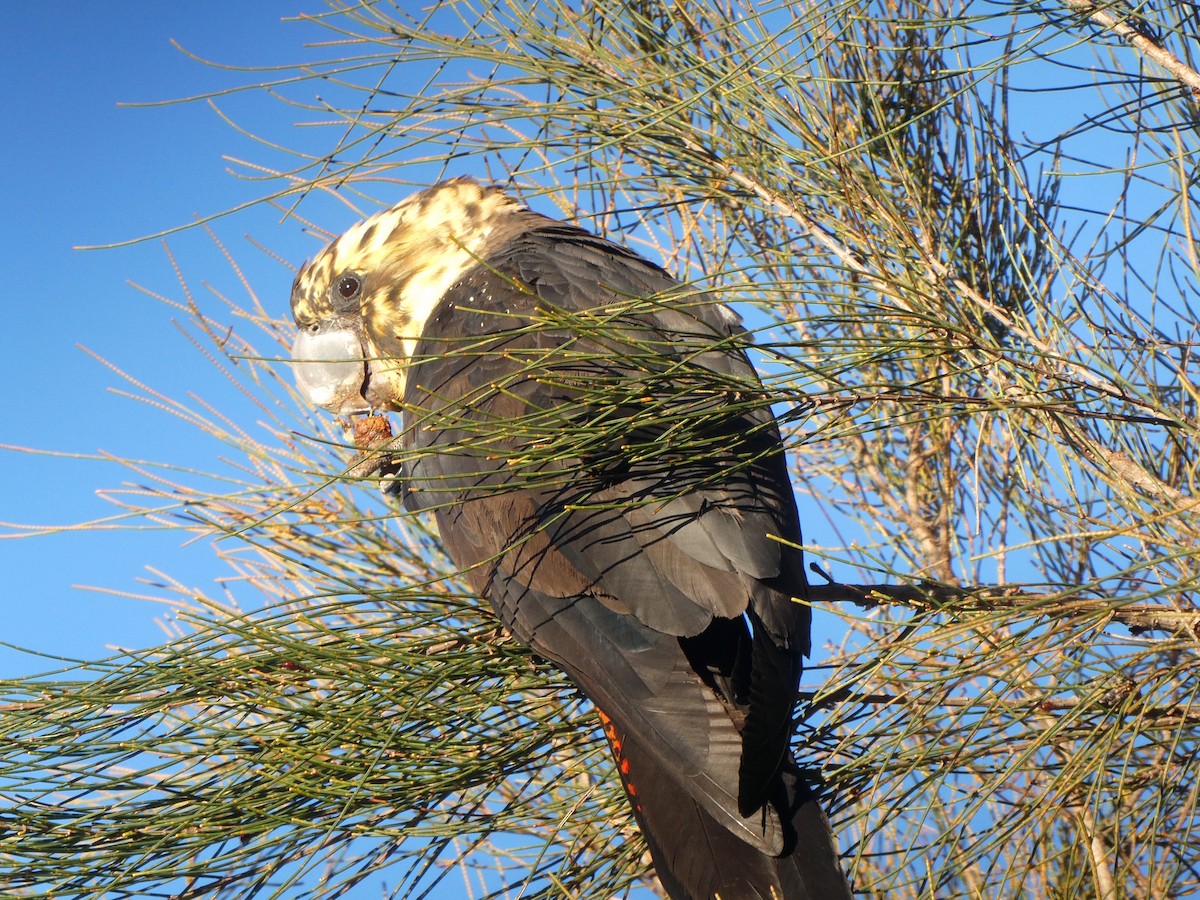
<point>330,370</point>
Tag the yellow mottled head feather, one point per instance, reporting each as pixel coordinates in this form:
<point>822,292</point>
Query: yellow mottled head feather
<point>410,254</point>
<point>402,261</point>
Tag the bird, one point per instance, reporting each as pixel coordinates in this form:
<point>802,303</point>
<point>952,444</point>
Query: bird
<point>591,438</point>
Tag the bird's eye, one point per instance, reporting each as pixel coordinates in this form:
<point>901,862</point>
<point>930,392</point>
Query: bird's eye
<point>346,289</point>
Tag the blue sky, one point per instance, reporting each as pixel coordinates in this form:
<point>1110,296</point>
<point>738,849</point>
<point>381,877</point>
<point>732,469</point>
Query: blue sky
<point>79,169</point>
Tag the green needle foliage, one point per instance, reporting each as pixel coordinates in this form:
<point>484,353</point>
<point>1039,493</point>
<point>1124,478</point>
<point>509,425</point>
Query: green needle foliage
<point>964,240</point>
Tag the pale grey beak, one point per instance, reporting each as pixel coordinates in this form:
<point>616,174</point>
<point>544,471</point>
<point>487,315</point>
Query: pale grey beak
<point>331,370</point>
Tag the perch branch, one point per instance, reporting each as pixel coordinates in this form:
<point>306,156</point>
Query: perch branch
<point>1138,617</point>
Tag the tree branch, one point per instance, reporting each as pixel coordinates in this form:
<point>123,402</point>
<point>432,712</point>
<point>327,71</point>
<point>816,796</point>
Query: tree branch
<point>1128,31</point>
<point>1138,617</point>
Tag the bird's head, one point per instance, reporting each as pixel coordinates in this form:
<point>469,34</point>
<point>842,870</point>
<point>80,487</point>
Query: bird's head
<point>361,304</point>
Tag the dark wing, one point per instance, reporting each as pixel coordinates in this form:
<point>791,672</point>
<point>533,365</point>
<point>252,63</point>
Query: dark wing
<point>656,583</point>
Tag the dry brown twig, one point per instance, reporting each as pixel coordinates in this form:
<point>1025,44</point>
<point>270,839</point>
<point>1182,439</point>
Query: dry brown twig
<point>1139,617</point>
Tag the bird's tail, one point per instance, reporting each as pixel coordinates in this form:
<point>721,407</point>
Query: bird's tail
<point>696,858</point>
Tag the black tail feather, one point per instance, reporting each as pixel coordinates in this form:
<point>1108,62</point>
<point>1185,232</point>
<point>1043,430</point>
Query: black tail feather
<point>696,858</point>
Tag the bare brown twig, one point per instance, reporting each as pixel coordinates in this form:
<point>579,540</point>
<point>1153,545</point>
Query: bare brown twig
<point>1138,617</point>
<point>1137,38</point>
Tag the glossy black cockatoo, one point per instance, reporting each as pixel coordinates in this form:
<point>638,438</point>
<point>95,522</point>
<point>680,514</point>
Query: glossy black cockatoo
<point>594,444</point>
